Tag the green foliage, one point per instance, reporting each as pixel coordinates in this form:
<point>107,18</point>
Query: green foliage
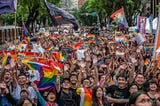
<point>29,11</point>
<point>84,16</point>
<point>105,8</point>
<point>158,6</point>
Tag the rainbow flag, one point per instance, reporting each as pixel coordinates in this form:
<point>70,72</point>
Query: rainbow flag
<point>48,78</point>
<point>33,39</point>
<point>140,38</point>
<point>42,60</point>
<point>157,41</point>
<point>58,56</point>
<point>33,65</point>
<point>21,55</point>
<point>47,74</point>
<point>28,47</point>
<point>91,41</point>
<point>147,48</point>
<point>111,41</point>
<point>146,62</point>
<point>120,19</point>
<point>118,32</point>
<point>141,24</point>
<point>11,47</point>
<point>120,39</point>
<point>135,33</point>
<point>22,47</point>
<point>77,46</point>
<point>56,65</point>
<point>90,35</point>
<point>86,96</point>
<point>119,53</point>
<point>50,48</point>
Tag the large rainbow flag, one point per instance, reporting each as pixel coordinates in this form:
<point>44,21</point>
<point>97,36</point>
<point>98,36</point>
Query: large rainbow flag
<point>119,17</point>
<point>47,74</point>
<point>157,41</point>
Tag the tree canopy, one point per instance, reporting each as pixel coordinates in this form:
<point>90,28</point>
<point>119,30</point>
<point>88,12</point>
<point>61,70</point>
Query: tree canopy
<point>29,11</point>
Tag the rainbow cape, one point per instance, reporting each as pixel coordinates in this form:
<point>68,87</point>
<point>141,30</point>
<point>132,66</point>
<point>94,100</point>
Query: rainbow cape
<point>86,96</point>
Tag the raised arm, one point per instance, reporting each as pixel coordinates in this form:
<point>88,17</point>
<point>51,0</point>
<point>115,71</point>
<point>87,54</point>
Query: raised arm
<point>58,83</point>
<point>40,98</point>
<point>113,100</point>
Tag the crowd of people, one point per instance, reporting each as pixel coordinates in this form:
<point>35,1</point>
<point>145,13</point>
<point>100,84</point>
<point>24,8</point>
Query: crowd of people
<point>108,68</point>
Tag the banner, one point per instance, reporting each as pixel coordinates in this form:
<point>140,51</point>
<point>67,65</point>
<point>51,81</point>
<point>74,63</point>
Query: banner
<point>120,19</point>
<point>141,24</point>
<point>60,16</point>
<point>8,6</point>
<point>157,41</point>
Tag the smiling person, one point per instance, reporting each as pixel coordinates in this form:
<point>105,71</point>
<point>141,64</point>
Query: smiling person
<point>25,102</point>
<point>140,80</point>
<point>65,97</point>
<point>51,97</point>
<point>139,99</point>
<point>153,94</point>
<point>98,96</point>
<point>119,94</point>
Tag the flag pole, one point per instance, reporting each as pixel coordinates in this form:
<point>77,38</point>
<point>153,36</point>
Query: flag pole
<point>22,25</point>
<point>15,17</point>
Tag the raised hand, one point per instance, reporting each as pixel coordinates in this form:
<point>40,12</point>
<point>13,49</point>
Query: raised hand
<point>82,64</point>
<point>95,59</point>
<point>66,67</point>
<point>34,86</point>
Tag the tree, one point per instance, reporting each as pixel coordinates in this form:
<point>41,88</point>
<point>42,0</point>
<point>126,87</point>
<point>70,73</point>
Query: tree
<point>84,16</point>
<point>105,8</point>
<point>158,6</point>
<point>29,11</point>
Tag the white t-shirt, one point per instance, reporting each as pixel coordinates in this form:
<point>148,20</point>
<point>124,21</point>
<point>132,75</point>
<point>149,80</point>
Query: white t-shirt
<point>80,54</point>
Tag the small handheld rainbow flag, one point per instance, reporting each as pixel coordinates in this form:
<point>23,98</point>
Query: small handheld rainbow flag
<point>120,39</point>
<point>119,53</point>
<point>111,41</point>
<point>77,46</point>
<point>90,35</point>
<point>146,62</point>
<point>21,55</point>
<point>147,48</point>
